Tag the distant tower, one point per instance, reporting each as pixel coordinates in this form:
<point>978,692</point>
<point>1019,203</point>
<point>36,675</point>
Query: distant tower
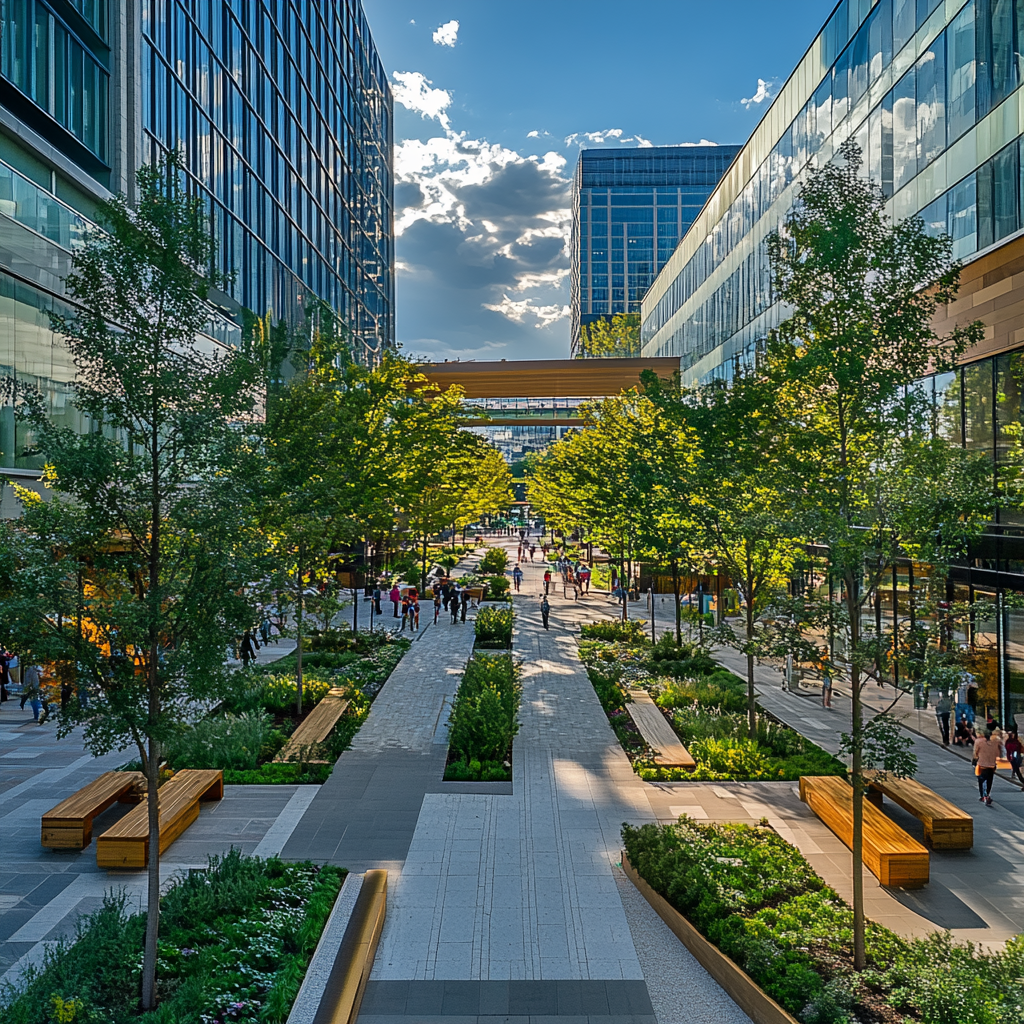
<point>630,207</point>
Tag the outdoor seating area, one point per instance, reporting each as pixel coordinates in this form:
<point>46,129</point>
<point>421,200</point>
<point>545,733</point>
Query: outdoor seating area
<point>126,844</point>
<point>946,827</point>
<point>315,728</point>
<point>890,854</point>
<point>68,826</point>
<point>657,733</point>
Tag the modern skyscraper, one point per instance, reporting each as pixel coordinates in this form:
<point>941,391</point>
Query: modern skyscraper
<point>283,115</point>
<point>630,208</point>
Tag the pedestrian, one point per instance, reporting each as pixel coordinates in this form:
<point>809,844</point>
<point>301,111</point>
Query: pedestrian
<point>4,676</point>
<point>32,684</point>
<point>454,603</point>
<point>517,577</point>
<point>545,610</point>
<point>547,581</point>
<point>942,710</point>
<point>533,548</point>
<point>248,649</point>
<point>405,612</point>
<point>826,685</point>
<point>465,602</point>
<point>1015,754</point>
<point>414,612</point>
<point>446,594</point>
<point>265,629</point>
<point>377,595</point>
<point>437,604</point>
<point>987,751</point>
<point>964,734</point>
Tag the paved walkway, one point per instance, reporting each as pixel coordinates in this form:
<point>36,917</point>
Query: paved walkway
<point>505,906</point>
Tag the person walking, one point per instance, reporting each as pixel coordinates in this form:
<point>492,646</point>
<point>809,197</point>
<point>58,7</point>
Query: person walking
<point>248,649</point>
<point>454,603</point>
<point>987,750</point>
<point>414,609</point>
<point>517,578</point>
<point>1015,754</point>
<point>5,676</point>
<point>32,686</point>
<point>533,548</point>
<point>265,629</point>
<point>942,711</point>
<point>437,604</point>
<point>377,595</point>
<point>396,598</point>
<point>465,595</point>
<point>547,581</point>
<point>405,612</point>
<point>545,610</point>
<point>826,684</point>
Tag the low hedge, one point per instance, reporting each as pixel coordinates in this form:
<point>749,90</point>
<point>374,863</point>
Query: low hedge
<point>235,942</point>
<point>493,627</point>
<point>631,631</point>
<point>483,719</point>
<point>758,900</point>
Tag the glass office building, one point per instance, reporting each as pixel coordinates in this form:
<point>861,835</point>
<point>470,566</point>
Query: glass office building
<point>630,208</point>
<point>283,114</point>
<point>931,91</point>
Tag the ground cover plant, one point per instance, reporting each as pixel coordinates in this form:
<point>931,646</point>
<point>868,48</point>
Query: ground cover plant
<point>493,627</point>
<point>235,943</point>
<point>755,897</point>
<point>484,720</point>
<point>705,704</point>
<point>253,722</point>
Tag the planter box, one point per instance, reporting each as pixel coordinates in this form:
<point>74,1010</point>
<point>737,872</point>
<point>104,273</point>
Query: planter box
<point>740,987</point>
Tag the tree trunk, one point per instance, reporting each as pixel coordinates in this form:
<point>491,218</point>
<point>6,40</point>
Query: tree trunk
<point>679,610</point>
<point>298,636</point>
<point>153,880</point>
<point>751,705</point>
<point>423,572</point>
<point>856,737</point>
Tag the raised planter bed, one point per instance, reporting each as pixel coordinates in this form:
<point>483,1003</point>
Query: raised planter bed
<point>738,985</point>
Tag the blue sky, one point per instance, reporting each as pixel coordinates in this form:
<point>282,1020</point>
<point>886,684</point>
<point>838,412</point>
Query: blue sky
<point>493,99</point>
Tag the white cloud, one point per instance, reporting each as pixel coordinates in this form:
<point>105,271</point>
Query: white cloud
<point>608,135</point>
<point>764,92</point>
<point>481,239</point>
<point>703,142</point>
<point>447,34</point>
<point>517,312</point>
<point>413,90</point>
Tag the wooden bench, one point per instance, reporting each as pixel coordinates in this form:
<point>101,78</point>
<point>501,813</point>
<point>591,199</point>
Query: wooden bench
<point>893,857</point>
<point>68,826</point>
<point>315,727</point>
<point>657,733</point>
<point>946,826</point>
<point>126,844</point>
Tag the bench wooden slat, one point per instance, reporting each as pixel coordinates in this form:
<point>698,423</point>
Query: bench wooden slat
<point>892,856</point>
<point>316,726</point>
<point>946,826</point>
<point>658,734</point>
<point>126,843</point>
<point>68,826</point>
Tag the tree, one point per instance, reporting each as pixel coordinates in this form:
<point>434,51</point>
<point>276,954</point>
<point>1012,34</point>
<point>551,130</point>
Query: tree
<point>148,506</point>
<point>617,337</point>
<point>862,293</point>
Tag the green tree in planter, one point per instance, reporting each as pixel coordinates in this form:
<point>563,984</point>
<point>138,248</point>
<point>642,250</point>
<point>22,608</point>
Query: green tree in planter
<point>863,293</point>
<point>151,504</point>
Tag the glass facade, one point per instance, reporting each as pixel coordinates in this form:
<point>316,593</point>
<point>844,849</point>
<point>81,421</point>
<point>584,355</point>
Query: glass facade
<point>283,114</point>
<point>630,208</point>
<point>930,91</point>
<point>54,73</point>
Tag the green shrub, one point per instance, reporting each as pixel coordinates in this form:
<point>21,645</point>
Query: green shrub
<point>288,773</point>
<point>494,627</point>
<point>708,692</point>
<point>477,771</point>
<point>483,718</point>
<point>225,741</point>
<point>235,942</point>
<point>280,691</point>
<point>494,561</point>
<point>623,632</point>
<point>497,586</point>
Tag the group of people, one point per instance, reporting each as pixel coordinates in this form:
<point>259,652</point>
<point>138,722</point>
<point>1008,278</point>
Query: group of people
<point>29,677</point>
<point>575,574</point>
